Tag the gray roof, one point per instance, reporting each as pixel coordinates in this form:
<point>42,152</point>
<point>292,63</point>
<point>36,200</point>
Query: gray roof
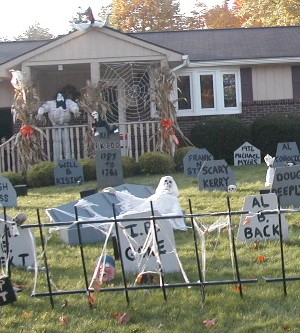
<point>12,50</point>
<point>201,45</point>
<point>229,44</point>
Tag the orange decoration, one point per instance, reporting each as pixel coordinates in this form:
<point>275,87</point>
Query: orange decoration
<point>27,131</point>
<point>239,288</point>
<point>63,320</point>
<point>122,318</point>
<point>92,299</point>
<point>261,258</point>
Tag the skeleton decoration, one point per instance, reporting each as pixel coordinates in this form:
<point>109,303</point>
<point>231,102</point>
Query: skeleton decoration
<point>231,188</point>
<point>271,171</point>
<point>101,122</point>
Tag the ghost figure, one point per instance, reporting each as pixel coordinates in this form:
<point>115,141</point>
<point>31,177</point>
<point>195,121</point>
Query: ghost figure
<point>165,202</point>
<point>271,171</point>
<point>101,122</point>
<point>59,112</point>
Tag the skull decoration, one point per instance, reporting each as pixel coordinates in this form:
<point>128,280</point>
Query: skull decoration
<point>231,188</point>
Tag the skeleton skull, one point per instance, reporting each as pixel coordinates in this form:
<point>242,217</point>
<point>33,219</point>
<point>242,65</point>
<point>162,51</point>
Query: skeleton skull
<point>95,115</point>
<point>231,188</point>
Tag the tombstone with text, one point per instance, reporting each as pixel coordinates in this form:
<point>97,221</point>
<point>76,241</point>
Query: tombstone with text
<point>137,244</point>
<point>257,226</point>
<point>247,154</point>
<point>68,172</point>
<point>108,158</point>
<point>8,195</point>
<point>194,159</point>
<point>286,153</point>
<point>286,184</point>
<point>215,175</point>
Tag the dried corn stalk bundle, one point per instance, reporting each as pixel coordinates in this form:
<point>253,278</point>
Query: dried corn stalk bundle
<point>29,139</point>
<point>167,139</point>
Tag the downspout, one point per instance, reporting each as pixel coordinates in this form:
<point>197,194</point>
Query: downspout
<point>185,63</point>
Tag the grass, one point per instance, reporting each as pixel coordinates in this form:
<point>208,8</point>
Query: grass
<point>263,307</point>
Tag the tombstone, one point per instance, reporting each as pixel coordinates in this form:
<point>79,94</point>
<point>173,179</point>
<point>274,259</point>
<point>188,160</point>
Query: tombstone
<point>108,158</point>
<point>194,159</point>
<point>286,184</point>
<point>261,227</point>
<point>247,154</point>
<point>21,245</point>
<point>8,195</point>
<point>102,204</point>
<point>215,175</point>
<point>68,172</point>
<point>286,153</point>
<point>7,293</point>
<point>133,235</point>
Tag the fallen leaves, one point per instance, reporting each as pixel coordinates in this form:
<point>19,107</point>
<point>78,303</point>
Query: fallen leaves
<point>210,322</point>
<point>122,318</point>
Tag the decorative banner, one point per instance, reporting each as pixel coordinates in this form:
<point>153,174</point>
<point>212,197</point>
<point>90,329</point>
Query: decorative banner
<point>247,154</point>
<point>137,245</point>
<point>7,293</point>
<point>21,245</point>
<point>108,158</point>
<point>194,159</point>
<point>8,195</point>
<point>287,153</point>
<point>286,184</point>
<point>256,226</point>
<point>68,172</point>
<point>215,175</point>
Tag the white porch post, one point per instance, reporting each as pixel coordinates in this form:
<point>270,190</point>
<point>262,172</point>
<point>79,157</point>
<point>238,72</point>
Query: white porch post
<point>95,72</point>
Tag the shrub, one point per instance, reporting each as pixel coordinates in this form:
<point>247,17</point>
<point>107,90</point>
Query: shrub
<point>179,156</point>
<point>130,166</point>
<point>267,132</point>
<point>221,136</point>
<point>41,174</point>
<point>89,169</point>
<point>156,163</point>
<point>14,177</point>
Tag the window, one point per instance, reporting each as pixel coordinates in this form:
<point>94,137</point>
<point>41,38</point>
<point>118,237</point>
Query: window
<point>184,92</point>
<point>209,92</point>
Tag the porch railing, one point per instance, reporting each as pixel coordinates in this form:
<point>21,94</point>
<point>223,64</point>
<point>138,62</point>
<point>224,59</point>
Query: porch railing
<point>136,138</point>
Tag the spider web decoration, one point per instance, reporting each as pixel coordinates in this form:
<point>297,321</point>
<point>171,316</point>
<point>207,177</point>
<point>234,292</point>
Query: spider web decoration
<point>129,90</point>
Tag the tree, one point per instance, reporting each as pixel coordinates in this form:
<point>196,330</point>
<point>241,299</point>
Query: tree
<point>145,15</point>
<point>269,12</point>
<point>221,17</point>
<point>35,32</point>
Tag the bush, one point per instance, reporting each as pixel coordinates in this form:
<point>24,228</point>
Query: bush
<point>130,166</point>
<point>267,132</point>
<point>156,163</point>
<point>221,136</point>
<point>41,174</point>
<point>14,177</point>
<point>179,156</point>
<point>89,169</point>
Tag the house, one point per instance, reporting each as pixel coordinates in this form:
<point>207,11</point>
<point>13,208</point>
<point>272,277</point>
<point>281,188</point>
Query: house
<point>246,73</point>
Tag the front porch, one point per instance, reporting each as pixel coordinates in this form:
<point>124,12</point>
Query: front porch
<point>136,138</point>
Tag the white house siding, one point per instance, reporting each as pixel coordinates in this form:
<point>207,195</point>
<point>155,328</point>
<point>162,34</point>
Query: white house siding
<point>272,82</point>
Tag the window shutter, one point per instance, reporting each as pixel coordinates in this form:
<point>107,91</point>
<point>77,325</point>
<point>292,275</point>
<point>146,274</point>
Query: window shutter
<point>296,81</point>
<point>246,83</point>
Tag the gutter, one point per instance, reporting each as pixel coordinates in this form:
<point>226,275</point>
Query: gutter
<point>185,63</point>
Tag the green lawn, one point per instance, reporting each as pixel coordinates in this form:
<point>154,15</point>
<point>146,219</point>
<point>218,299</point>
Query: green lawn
<point>263,307</point>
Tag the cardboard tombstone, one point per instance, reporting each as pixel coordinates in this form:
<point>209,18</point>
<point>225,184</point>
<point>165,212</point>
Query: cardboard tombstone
<point>18,242</point>
<point>68,172</point>
<point>7,293</point>
<point>247,154</point>
<point>286,184</point>
<point>256,226</point>
<point>8,195</point>
<point>286,153</point>
<point>193,161</point>
<point>108,158</point>
<point>215,175</point>
<point>138,254</point>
